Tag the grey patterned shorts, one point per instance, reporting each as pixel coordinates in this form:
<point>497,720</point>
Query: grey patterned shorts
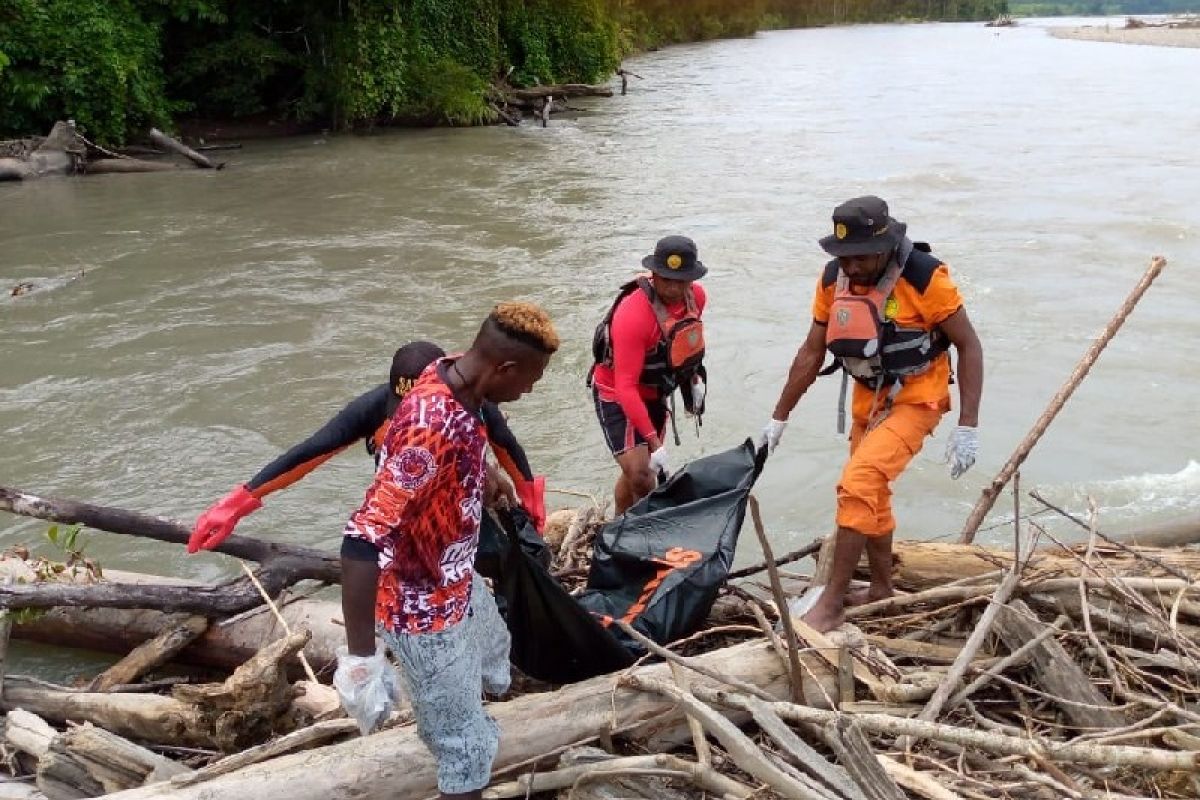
<point>444,673</point>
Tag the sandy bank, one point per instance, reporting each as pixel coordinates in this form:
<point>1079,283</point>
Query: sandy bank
<point>1162,37</point>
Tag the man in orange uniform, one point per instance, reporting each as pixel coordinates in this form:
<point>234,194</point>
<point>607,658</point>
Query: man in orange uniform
<point>888,311</point>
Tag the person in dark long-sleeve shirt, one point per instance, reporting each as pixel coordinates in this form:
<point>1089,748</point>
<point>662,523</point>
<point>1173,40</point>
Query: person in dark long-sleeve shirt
<point>366,419</point>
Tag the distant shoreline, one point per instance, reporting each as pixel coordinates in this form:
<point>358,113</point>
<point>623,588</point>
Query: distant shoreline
<point>1160,37</point>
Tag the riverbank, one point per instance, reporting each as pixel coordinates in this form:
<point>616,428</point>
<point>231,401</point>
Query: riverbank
<point>1159,37</point>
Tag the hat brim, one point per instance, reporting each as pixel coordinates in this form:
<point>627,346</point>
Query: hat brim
<point>692,273</point>
<point>885,244</point>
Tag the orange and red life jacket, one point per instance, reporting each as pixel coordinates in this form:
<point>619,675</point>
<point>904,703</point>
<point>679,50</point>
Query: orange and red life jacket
<point>679,352</point>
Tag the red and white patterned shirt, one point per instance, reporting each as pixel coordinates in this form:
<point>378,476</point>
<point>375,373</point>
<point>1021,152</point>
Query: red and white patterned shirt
<point>423,509</point>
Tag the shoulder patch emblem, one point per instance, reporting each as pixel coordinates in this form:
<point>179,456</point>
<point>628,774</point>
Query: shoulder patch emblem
<point>891,308</point>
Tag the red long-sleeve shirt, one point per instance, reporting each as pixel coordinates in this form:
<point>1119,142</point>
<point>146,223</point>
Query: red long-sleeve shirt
<point>635,332</point>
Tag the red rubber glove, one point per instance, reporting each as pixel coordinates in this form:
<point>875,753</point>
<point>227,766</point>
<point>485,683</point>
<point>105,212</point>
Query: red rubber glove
<point>215,525</point>
<point>532,495</point>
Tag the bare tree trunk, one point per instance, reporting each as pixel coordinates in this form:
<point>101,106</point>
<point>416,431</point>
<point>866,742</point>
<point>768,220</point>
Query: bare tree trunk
<point>302,562</point>
<point>395,763</point>
<point>175,146</point>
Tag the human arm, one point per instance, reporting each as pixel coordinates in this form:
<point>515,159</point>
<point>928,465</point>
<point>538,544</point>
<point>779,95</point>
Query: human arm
<point>633,331</point>
<point>507,449</point>
<point>360,581</point>
<point>351,423</point>
<point>805,366</point>
<point>961,333</point>
<point>366,683</point>
<point>358,420</point>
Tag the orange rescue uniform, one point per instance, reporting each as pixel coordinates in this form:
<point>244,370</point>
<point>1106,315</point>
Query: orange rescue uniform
<point>881,448</point>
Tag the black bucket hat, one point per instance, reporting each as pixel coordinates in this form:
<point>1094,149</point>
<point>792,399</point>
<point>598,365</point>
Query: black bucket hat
<point>408,362</point>
<point>862,227</point>
<point>675,257</point>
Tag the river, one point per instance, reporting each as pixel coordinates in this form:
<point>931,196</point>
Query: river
<point>185,328</point>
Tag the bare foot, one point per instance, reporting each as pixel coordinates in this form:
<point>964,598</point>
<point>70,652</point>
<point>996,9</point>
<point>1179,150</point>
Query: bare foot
<point>823,621</point>
<point>860,597</point>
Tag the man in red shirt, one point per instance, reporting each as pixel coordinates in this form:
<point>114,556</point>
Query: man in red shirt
<point>651,342</point>
<point>408,554</point>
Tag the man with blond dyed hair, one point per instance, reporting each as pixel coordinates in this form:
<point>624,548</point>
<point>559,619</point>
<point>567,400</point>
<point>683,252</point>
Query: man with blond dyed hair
<point>409,551</point>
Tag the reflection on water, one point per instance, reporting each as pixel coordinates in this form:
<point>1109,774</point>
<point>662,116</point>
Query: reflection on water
<point>223,316</point>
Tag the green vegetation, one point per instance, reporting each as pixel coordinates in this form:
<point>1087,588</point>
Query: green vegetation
<point>119,66</point>
<point>1099,8</point>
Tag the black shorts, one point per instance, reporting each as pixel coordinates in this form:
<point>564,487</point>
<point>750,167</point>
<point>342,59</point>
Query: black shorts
<point>619,434</point>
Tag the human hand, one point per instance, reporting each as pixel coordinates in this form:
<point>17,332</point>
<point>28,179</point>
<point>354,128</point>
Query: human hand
<point>215,524</point>
<point>498,491</point>
<point>772,432</point>
<point>368,687</point>
<point>660,461</point>
<point>961,450</point>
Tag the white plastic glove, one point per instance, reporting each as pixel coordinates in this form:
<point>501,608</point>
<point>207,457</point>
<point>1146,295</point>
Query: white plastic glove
<point>961,450</point>
<point>660,461</point>
<point>772,432</point>
<point>368,686</point>
<point>699,391</point>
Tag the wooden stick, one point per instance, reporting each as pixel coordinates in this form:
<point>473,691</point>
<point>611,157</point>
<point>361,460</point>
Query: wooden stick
<point>990,742</point>
<point>785,616</point>
<point>795,555</point>
<point>992,491</point>
<point>699,742</point>
<point>705,778</point>
<point>684,661</point>
<point>308,670</point>
<point>959,668</point>
<point>739,746</point>
<point>319,733</point>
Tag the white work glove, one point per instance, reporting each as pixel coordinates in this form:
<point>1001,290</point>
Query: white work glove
<point>660,461</point>
<point>772,432</point>
<point>368,686</point>
<point>699,390</point>
<point>961,450</point>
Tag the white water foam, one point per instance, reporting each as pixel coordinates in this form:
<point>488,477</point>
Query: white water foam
<point>1135,497</point>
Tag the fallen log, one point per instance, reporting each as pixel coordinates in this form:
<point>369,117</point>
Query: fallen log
<point>146,717</point>
<point>1057,672</point>
<point>60,153</point>
<point>1172,534</point>
<point>175,146</point>
<point>88,762</point>
<point>224,645</point>
<point>394,763</point>
<point>925,565</point>
<point>250,706</point>
<point>151,654</point>
<point>124,166</point>
<point>303,562</point>
<point>565,90</point>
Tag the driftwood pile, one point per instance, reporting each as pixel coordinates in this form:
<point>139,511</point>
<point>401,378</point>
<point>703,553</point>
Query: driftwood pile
<point>66,151</point>
<point>539,102</point>
<point>1069,672</point>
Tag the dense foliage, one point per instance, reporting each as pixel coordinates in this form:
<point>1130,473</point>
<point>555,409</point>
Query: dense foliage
<point>118,66</point>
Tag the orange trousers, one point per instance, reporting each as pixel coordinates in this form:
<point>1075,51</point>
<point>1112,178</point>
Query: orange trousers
<point>877,457</point>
